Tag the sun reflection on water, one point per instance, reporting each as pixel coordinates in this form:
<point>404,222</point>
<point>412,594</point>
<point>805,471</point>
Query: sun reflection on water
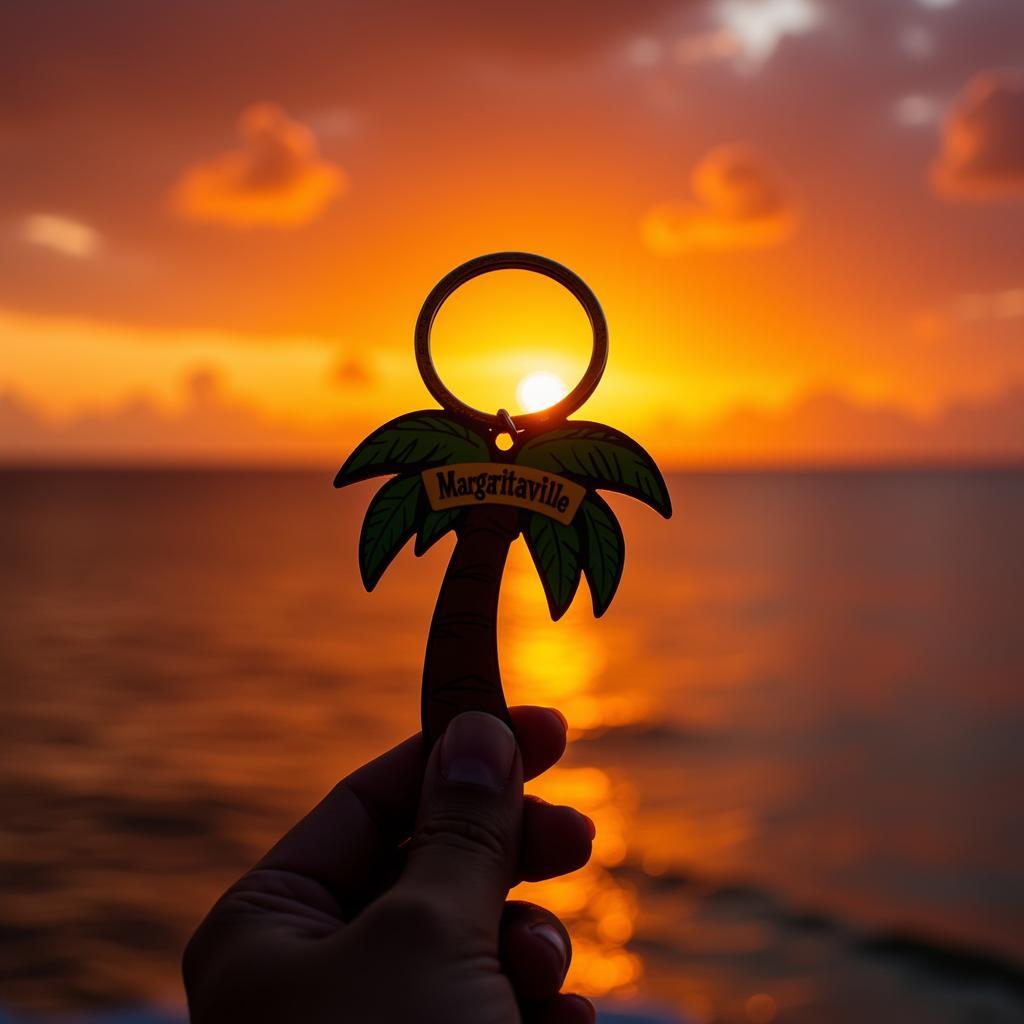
<point>560,664</point>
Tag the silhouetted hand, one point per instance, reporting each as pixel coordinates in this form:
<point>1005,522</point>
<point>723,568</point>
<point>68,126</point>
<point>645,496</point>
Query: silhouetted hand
<point>346,921</point>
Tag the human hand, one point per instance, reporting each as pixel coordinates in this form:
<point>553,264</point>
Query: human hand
<point>374,910</point>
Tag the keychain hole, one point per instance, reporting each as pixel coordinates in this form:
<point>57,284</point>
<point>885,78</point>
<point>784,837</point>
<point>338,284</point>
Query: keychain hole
<point>504,441</point>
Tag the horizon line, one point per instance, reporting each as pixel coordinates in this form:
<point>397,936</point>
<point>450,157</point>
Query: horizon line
<point>709,467</point>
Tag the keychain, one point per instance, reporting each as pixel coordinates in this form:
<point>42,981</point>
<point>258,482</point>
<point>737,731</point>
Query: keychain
<point>448,473</point>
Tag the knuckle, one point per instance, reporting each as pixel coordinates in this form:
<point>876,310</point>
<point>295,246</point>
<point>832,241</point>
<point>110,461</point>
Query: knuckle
<point>415,917</point>
<point>481,838</point>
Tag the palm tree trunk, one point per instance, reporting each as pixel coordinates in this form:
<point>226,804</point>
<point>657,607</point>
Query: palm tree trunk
<point>460,671</point>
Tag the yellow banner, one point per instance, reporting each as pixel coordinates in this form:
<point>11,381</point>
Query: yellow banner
<point>497,483</point>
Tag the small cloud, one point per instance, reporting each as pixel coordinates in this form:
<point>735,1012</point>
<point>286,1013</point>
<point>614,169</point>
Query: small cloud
<point>1004,305</point>
<point>940,324</point>
<point>917,42</point>
<point>349,372</point>
<point>61,234</point>
<point>203,387</point>
<point>745,33</point>
<point>707,47</point>
<point>759,26</point>
<point>276,177</point>
<point>644,51</point>
<point>335,123</point>
<point>917,110</point>
<point>931,326</point>
<point>742,203</point>
<point>983,141</point>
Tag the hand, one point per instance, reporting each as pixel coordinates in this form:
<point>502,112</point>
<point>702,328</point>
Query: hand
<point>348,919</point>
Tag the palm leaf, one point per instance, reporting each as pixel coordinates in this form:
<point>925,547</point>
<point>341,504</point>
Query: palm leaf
<point>604,550</point>
<point>598,456</point>
<point>411,443</point>
<point>433,526</point>
<point>556,553</point>
<point>390,521</point>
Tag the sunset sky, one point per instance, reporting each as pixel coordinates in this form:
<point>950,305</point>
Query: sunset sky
<point>804,219</point>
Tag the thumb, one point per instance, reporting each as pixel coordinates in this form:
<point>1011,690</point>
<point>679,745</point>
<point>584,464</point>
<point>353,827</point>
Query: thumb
<point>465,845</point>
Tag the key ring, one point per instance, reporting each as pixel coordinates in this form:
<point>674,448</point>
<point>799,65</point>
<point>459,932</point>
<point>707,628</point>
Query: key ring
<point>512,261</point>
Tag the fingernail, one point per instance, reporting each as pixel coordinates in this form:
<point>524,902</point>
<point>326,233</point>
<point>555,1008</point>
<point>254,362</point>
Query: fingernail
<point>591,827</point>
<point>558,714</point>
<point>553,937</point>
<point>478,749</point>
<point>585,1005</point>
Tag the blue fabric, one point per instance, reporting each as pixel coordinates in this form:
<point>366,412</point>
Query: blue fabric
<point>142,1015</point>
<point>623,1015</point>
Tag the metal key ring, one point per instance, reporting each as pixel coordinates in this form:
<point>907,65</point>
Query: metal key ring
<point>512,261</point>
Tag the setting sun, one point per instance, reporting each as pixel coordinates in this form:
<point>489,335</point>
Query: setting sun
<point>540,390</point>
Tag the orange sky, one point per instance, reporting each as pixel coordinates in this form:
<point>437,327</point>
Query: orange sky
<point>804,219</point>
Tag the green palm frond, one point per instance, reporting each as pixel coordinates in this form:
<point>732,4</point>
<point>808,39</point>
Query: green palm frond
<point>390,521</point>
<point>411,443</point>
<point>556,553</point>
<point>406,446</point>
<point>591,454</point>
<point>599,457</point>
<point>433,526</point>
<point>604,550</point>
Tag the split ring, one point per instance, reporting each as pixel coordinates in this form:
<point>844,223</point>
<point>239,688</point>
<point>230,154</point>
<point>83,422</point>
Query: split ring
<point>512,261</point>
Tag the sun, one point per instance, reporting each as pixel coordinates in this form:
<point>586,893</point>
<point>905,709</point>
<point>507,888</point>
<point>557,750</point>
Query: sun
<point>540,390</point>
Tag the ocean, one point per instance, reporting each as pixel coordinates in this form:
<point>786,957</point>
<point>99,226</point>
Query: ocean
<point>799,730</point>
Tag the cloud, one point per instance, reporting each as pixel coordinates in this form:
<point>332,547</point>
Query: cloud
<point>759,26</point>
<point>917,42</point>
<point>707,47</point>
<point>211,426</point>
<point>983,141</point>
<point>823,428</point>
<point>742,203</point>
<point>60,234</point>
<point>276,176</point>
<point>931,326</point>
<point>350,372</point>
<point>746,33</point>
<point>917,110</point>
<point>985,309</point>
<point>1004,305</point>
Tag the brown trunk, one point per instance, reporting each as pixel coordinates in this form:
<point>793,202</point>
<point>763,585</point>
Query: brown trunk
<point>460,671</point>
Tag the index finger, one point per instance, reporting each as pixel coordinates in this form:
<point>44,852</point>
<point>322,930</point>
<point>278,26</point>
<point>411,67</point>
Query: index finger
<point>339,843</point>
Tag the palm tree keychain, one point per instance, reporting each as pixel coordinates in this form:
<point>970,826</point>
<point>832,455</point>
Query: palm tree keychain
<point>448,473</point>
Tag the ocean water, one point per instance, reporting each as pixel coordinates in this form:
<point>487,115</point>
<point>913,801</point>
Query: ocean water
<point>799,729</point>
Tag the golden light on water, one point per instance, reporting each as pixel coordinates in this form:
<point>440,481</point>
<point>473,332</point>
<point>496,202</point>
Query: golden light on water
<point>540,390</point>
<point>599,909</point>
<point>561,665</point>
